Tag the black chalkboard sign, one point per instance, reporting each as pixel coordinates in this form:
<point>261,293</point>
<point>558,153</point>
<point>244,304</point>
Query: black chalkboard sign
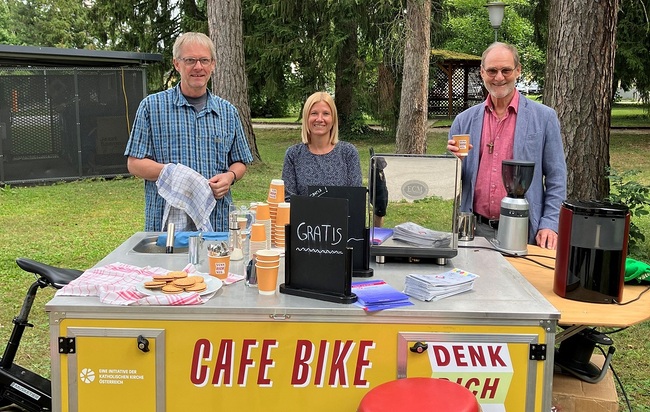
<point>358,234</point>
<point>317,258</point>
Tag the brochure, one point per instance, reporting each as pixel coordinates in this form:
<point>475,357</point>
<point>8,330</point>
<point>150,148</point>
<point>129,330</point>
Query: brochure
<point>373,295</point>
<point>415,234</point>
<point>432,287</point>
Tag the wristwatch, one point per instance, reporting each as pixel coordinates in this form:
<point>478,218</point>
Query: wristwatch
<point>234,180</point>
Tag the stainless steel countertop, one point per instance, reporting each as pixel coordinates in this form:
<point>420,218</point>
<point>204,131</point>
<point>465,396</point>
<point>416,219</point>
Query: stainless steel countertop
<point>501,295</point>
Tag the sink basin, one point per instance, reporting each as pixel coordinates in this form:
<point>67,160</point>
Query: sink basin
<point>148,245</point>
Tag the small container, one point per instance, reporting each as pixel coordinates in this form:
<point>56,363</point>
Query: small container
<point>195,244</point>
<point>251,274</point>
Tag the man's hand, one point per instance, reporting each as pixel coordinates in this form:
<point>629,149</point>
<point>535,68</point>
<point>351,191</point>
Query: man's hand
<point>220,184</point>
<point>451,146</point>
<point>546,238</point>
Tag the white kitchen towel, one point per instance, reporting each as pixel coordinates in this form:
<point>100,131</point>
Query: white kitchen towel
<point>187,195</point>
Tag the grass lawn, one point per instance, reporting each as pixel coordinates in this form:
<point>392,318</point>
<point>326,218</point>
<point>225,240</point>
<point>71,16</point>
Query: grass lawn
<point>76,224</point>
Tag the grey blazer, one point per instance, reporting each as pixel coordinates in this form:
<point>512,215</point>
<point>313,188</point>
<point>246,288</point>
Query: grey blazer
<point>537,139</point>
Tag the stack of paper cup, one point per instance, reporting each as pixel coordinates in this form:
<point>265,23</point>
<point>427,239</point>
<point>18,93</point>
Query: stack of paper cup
<point>262,215</point>
<point>258,238</point>
<point>281,220</point>
<point>267,264</point>
<point>274,198</point>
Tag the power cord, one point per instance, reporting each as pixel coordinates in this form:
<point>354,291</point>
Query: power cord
<point>506,254</point>
<point>618,380</point>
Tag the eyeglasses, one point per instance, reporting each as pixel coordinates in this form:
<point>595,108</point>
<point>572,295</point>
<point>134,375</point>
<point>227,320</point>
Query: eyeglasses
<point>191,61</point>
<point>492,72</point>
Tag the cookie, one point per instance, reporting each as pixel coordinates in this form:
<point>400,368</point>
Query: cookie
<point>177,274</point>
<point>197,287</point>
<point>184,282</point>
<point>197,278</point>
<point>162,278</point>
<point>169,288</point>
<point>154,284</point>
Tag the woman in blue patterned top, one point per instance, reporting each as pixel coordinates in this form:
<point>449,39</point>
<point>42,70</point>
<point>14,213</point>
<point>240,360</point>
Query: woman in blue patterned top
<point>321,159</point>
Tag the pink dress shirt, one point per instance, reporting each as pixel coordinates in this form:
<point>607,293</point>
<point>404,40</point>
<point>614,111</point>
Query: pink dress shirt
<point>500,133</point>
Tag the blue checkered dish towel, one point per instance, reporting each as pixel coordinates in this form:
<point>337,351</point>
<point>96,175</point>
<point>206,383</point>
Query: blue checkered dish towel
<point>189,199</point>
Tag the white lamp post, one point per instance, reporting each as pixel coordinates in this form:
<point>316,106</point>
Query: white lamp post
<point>496,9</point>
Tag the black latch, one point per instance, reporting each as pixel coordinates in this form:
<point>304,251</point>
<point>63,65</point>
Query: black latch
<point>67,345</point>
<point>537,351</point>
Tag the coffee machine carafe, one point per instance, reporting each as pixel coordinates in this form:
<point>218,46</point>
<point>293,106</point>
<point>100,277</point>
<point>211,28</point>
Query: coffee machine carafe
<point>512,235</point>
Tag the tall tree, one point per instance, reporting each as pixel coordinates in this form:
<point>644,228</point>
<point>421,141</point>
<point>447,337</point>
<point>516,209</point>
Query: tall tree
<point>229,79</point>
<point>412,123</point>
<point>579,75</point>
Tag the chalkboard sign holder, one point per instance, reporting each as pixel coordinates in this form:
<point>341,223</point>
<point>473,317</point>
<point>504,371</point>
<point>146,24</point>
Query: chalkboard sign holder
<point>346,297</point>
<point>358,233</point>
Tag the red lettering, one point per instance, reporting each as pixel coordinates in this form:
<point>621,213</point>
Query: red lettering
<point>363,363</point>
<point>441,355</point>
<point>303,356</point>
<point>490,387</point>
<point>245,362</point>
<point>223,365</point>
<point>477,355</point>
<point>459,355</point>
<point>266,362</point>
<point>323,351</point>
<point>338,370</point>
<point>495,357</point>
<point>472,382</point>
<point>199,373</point>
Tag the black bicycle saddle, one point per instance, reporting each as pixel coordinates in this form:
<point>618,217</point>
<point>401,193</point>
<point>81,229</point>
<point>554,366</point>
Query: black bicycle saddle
<point>58,277</point>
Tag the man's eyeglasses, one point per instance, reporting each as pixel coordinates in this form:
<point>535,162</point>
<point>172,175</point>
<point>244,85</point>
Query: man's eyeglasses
<point>191,61</point>
<point>492,72</point>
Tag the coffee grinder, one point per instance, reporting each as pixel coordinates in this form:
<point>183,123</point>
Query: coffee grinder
<point>512,235</point>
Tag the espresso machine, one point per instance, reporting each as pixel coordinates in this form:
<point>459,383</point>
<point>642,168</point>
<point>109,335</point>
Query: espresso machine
<point>512,235</point>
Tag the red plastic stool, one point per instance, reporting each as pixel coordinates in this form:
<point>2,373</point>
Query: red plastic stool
<point>419,394</point>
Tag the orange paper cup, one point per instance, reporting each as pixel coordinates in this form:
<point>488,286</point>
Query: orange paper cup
<point>267,254</point>
<point>258,232</point>
<point>462,143</point>
<point>267,280</point>
<point>219,266</point>
<point>276,191</point>
<point>262,211</point>
<point>267,264</point>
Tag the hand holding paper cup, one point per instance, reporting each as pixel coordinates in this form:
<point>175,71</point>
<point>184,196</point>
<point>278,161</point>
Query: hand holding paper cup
<point>461,141</point>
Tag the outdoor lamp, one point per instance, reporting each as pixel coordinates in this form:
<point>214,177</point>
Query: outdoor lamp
<point>496,10</point>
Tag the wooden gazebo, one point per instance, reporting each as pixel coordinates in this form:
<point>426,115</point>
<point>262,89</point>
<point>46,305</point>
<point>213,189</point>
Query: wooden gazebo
<point>455,82</point>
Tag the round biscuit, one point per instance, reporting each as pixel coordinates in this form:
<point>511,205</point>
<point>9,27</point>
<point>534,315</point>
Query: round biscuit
<point>197,287</point>
<point>184,282</point>
<point>169,288</point>
<point>177,274</point>
<point>154,284</point>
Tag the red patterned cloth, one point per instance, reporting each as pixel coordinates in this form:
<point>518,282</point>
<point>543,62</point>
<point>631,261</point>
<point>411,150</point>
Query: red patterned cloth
<point>116,283</point>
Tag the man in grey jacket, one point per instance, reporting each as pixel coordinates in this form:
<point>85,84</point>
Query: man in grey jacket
<point>510,126</point>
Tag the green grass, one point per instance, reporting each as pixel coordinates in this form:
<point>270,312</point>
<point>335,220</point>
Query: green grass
<point>76,224</point>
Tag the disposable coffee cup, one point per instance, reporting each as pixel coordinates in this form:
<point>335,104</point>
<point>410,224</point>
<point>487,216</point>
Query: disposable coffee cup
<point>219,266</point>
<point>267,279</point>
<point>466,226</point>
<point>462,143</point>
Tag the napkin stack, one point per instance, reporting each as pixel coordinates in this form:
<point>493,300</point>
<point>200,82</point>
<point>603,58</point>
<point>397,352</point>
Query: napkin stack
<point>435,287</point>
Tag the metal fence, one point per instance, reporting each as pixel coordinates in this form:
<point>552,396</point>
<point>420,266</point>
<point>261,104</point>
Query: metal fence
<point>66,123</point>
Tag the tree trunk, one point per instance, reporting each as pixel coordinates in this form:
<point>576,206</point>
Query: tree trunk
<point>347,74</point>
<point>387,106</point>
<point>229,79</point>
<point>579,73</point>
<point>412,123</point>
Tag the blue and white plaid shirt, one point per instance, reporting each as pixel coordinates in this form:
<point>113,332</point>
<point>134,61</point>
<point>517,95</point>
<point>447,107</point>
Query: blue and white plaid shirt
<point>167,129</point>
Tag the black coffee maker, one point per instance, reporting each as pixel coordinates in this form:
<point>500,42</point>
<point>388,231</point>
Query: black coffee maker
<point>512,236</point>
<point>591,251</point>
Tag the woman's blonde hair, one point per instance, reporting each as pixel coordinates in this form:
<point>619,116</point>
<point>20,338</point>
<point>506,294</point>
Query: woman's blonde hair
<point>193,38</point>
<point>311,101</point>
